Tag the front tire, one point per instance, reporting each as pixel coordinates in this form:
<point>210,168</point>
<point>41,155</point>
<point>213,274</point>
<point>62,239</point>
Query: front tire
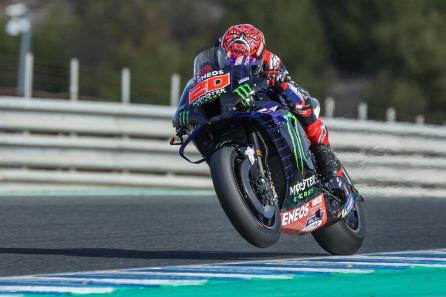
<point>346,236</point>
<point>246,221</point>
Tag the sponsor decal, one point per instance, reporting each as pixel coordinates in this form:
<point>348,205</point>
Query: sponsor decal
<point>295,214</point>
<point>208,97</point>
<point>184,117</point>
<point>304,194</point>
<point>313,222</point>
<point>302,185</point>
<point>305,218</point>
<point>317,201</point>
<point>210,74</point>
<point>293,88</point>
<point>240,81</point>
<point>209,87</point>
<point>296,141</point>
<point>267,110</point>
<point>246,93</point>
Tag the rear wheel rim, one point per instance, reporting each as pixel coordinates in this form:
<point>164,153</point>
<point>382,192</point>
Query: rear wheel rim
<point>353,221</point>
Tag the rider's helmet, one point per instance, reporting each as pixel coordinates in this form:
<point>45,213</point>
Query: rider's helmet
<point>244,40</point>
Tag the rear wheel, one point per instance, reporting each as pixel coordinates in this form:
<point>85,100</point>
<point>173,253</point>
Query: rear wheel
<point>255,219</point>
<point>346,236</point>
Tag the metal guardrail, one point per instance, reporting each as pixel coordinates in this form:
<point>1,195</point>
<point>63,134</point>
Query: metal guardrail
<point>46,143</point>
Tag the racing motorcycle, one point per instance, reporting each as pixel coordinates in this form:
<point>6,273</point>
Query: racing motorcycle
<point>262,169</point>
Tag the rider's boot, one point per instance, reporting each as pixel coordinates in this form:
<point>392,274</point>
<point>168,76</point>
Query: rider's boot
<point>334,180</point>
<point>326,163</point>
<point>328,167</point>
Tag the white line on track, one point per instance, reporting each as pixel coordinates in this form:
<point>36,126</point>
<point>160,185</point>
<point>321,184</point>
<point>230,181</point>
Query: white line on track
<point>201,274</point>
<point>352,263</point>
<point>55,289</point>
<point>295,269</point>
<point>114,281</point>
<point>401,258</point>
<point>105,281</point>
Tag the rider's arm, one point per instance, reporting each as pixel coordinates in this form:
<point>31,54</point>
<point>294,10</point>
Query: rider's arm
<point>279,78</point>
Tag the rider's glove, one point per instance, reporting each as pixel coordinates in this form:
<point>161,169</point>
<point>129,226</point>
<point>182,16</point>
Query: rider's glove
<point>276,77</point>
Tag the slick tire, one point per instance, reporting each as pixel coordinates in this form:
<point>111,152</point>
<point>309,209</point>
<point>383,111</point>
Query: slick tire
<point>223,171</point>
<point>339,238</point>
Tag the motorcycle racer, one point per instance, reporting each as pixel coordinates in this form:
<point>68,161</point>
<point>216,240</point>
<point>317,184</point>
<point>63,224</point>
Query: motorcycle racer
<point>245,40</point>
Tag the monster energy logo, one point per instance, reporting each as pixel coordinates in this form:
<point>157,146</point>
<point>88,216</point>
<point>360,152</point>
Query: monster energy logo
<point>246,92</point>
<point>297,142</point>
<point>184,117</point>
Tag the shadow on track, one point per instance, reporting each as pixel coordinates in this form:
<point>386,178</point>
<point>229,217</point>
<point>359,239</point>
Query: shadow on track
<point>136,254</point>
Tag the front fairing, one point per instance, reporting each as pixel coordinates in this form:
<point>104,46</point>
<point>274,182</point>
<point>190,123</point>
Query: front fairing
<point>217,94</point>
<point>187,115</point>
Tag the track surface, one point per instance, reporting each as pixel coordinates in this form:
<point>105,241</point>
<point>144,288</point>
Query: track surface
<point>62,234</point>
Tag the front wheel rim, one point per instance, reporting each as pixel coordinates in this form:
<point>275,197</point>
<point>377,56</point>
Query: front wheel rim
<point>266,217</point>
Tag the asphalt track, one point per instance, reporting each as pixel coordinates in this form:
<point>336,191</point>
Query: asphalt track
<point>64,234</point>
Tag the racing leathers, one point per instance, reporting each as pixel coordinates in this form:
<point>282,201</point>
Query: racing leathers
<point>306,110</point>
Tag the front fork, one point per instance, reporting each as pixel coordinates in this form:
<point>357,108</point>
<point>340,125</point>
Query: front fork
<point>265,183</point>
<point>253,138</point>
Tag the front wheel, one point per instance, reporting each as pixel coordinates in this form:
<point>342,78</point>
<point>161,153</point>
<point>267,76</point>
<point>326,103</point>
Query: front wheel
<point>256,221</point>
<point>346,236</point>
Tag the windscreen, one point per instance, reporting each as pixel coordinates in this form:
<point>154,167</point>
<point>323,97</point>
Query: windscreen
<point>220,79</point>
<point>209,60</point>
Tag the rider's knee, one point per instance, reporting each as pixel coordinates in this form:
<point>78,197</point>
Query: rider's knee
<point>315,105</point>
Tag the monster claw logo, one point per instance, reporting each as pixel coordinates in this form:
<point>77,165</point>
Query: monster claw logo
<point>297,145</point>
<point>184,117</point>
<point>246,92</point>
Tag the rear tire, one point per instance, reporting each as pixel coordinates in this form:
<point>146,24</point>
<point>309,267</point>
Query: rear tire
<point>340,238</point>
<point>242,217</point>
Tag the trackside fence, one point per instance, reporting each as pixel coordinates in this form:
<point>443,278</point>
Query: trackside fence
<point>77,144</point>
